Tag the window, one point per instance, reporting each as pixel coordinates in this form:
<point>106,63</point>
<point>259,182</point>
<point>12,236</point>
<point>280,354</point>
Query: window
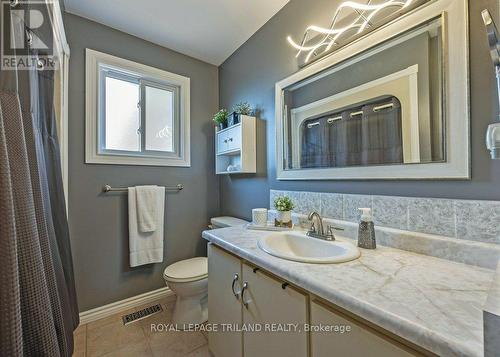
<point>136,114</point>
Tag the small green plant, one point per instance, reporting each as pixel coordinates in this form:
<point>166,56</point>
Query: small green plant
<point>242,108</point>
<point>283,203</point>
<point>221,117</point>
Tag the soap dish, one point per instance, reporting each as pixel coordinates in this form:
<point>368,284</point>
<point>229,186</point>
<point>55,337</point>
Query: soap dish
<point>268,227</point>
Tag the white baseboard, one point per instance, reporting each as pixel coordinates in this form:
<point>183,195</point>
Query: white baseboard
<point>122,305</point>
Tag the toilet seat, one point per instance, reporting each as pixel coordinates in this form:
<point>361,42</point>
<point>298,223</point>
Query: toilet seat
<point>187,270</point>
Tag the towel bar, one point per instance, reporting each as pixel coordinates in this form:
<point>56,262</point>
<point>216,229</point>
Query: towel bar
<point>108,188</point>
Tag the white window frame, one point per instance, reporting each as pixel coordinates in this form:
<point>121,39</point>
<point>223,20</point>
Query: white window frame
<point>152,77</point>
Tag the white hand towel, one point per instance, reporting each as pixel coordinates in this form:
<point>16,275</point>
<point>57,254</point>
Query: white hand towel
<point>147,207</point>
<point>145,247</point>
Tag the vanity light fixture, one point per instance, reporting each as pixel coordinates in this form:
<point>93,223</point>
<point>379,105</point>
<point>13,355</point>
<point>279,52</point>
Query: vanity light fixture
<point>493,132</point>
<point>329,37</point>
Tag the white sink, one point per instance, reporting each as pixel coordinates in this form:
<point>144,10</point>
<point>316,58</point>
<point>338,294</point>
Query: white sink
<point>301,248</point>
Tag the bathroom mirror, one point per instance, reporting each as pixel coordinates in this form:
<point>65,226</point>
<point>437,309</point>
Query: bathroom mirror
<point>384,107</point>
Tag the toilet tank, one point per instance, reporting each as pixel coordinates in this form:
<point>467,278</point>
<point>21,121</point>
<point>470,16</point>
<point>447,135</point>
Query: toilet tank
<point>226,221</point>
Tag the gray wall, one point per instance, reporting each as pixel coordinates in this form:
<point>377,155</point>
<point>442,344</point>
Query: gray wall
<point>251,72</point>
<point>98,222</point>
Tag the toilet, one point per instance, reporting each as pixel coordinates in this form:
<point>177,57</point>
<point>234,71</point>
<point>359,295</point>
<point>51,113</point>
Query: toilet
<point>188,279</point>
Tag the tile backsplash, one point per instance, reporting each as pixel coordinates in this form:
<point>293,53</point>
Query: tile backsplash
<point>462,219</point>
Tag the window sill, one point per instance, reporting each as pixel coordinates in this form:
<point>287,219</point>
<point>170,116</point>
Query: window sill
<point>137,160</point>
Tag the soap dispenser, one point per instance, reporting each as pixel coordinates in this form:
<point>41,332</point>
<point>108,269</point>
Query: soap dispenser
<point>366,231</point>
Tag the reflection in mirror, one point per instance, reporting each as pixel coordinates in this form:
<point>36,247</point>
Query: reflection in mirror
<point>381,107</point>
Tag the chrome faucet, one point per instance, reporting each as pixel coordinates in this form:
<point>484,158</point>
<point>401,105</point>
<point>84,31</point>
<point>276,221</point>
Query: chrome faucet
<point>320,222</point>
<point>320,233</point>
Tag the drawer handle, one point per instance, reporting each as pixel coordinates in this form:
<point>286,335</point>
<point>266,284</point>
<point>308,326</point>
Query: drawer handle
<point>245,287</point>
<point>225,141</point>
<point>230,139</point>
<point>235,293</point>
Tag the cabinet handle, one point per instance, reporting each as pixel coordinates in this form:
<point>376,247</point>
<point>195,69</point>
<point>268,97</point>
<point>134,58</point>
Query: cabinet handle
<point>230,139</point>
<point>225,141</point>
<point>236,294</point>
<point>245,287</point>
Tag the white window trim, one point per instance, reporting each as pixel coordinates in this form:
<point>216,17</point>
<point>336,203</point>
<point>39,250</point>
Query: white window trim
<point>92,156</point>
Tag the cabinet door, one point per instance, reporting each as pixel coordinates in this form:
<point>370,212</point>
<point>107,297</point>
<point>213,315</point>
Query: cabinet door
<point>221,143</point>
<point>229,139</point>
<point>223,306</point>
<point>360,341</point>
<point>233,137</point>
<point>270,306</point>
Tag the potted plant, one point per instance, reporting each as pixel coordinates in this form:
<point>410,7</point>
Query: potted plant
<point>241,108</point>
<point>284,206</point>
<point>220,118</point>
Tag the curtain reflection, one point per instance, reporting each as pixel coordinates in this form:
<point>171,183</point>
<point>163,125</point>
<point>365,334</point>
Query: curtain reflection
<point>368,134</point>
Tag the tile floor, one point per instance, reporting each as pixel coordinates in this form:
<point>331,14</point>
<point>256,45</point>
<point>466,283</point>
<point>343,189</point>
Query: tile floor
<point>109,337</point>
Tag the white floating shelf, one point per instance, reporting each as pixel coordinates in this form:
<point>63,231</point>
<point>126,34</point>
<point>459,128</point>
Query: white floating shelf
<point>230,152</point>
<point>232,172</point>
<point>236,146</point>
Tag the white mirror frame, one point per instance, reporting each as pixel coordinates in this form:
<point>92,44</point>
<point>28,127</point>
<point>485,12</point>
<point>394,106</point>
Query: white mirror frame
<point>456,102</point>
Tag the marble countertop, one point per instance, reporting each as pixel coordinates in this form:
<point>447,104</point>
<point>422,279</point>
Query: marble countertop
<point>432,302</point>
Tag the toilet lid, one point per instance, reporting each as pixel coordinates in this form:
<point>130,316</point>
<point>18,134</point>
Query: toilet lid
<point>226,221</point>
<point>189,269</point>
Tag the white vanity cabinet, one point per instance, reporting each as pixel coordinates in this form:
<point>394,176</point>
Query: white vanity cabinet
<point>224,302</point>
<point>235,147</point>
<point>361,340</point>
<point>258,301</point>
<point>246,296</point>
<point>278,309</point>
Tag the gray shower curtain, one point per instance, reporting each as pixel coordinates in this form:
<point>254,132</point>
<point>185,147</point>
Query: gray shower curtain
<point>371,137</point>
<point>37,300</point>
<point>314,146</point>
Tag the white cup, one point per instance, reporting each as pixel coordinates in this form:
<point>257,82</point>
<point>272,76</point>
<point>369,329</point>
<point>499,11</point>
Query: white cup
<point>259,216</point>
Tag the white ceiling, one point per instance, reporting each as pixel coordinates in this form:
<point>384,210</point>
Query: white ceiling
<point>210,30</point>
